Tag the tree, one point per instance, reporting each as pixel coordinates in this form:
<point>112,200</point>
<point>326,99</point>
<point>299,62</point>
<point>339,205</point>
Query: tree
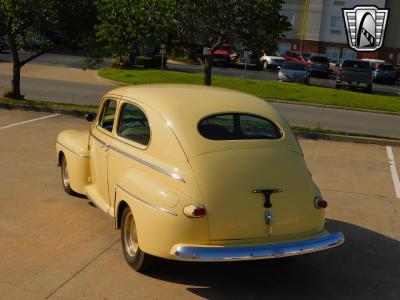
<point>256,24</point>
<point>40,26</point>
<point>126,27</point>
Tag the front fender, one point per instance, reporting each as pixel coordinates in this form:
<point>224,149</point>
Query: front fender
<point>73,145</point>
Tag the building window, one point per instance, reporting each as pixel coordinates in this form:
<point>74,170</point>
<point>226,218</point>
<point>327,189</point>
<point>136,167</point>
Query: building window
<point>283,47</point>
<point>289,15</point>
<point>349,54</point>
<point>332,53</point>
<point>336,22</point>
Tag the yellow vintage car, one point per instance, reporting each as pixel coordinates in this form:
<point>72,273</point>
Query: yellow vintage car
<point>196,174</point>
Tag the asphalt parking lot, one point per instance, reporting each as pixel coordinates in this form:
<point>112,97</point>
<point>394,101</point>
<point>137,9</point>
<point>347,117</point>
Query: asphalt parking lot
<point>54,246</point>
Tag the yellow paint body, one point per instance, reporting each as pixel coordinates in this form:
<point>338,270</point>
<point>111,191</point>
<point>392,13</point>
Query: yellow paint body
<point>219,175</point>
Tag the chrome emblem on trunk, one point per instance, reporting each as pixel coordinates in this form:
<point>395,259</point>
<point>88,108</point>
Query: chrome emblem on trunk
<point>267,194</point>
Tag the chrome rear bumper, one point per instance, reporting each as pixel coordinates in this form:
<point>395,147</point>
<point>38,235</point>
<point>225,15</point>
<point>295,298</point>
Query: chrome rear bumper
<point>203,253</point>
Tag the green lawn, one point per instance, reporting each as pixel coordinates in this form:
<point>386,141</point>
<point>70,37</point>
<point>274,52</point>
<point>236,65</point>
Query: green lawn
<point>263,89</point>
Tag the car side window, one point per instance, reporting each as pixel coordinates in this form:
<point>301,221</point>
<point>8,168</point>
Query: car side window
<point>133,124</point>
<point>108,115</point>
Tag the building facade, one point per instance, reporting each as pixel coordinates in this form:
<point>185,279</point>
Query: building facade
<point>318,27</point>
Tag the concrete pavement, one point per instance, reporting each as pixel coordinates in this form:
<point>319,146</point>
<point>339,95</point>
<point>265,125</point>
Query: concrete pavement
<point>54,246</point>
<point>59,78</point>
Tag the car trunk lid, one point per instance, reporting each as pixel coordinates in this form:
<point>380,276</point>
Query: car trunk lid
<point>227,180</point>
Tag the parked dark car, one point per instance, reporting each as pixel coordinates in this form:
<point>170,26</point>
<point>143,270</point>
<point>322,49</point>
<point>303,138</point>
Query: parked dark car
<point>297,56</point>
<point>226,55</point>
<point>253,60</point>
<point>356,74</point>
<point>384,73</point>
<point>318,65</point>
<point>3,44</point>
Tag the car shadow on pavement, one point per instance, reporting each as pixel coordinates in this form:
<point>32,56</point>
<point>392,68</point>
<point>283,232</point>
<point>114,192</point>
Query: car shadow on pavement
<point>367,266</point>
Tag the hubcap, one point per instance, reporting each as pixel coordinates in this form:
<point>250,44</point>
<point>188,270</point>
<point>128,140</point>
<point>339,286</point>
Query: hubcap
<point>130,235</point>
<point>65,176</point>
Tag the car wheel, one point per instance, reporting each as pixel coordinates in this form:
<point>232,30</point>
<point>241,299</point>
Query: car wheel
<point>265,65</point>
<point>369,89</point>
<point>338,86</point>
<point>134,256</point>
<point>65,176</point>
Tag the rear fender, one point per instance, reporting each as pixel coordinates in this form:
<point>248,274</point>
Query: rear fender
<point>158,212</point>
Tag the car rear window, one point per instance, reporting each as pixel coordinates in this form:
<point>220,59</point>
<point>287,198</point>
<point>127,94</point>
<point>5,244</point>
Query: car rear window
<point>294,66</point>
<point>320,59</point>
<point>356,64</point>
<point>237,126</point>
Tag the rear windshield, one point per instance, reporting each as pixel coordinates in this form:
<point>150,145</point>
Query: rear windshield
<point>235,126</point>
<point>294,66</point>
<point>386,67</point>
<point>320,59</point>
<point>356,64</point>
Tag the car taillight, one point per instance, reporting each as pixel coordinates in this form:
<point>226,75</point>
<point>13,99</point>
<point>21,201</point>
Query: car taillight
<point>320,203</point>
<point>195,211</point>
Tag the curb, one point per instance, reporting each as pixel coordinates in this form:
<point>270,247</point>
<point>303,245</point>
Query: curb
<point>120,83</point>
<point>346,138</point>
<point>298,134</point>
<point>64,111</point>
<point>382,112</point>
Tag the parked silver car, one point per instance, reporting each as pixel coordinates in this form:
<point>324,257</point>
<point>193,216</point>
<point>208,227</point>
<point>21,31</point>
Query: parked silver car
<point>294,72</point>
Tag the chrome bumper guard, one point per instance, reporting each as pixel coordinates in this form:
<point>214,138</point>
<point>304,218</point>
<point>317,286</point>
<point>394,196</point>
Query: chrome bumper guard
<point>232,253</point>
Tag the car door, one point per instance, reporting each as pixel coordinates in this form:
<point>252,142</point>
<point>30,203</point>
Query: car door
<point>101,137</point>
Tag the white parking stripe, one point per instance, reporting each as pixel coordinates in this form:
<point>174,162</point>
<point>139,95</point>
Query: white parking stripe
<point>393,170</point>
<point>29,121</point>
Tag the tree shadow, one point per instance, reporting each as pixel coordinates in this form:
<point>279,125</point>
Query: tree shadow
<point>367,266</point>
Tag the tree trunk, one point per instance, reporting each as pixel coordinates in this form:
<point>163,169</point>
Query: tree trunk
<point>208,70</point>
<point>16,79</point>
<point>16,82</point>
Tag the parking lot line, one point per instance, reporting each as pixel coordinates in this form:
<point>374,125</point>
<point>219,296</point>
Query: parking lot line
<point>29,121</point>
<point>393,170</point>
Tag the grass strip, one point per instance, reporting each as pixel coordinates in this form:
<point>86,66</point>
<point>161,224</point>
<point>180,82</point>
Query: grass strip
<point>263,89</point>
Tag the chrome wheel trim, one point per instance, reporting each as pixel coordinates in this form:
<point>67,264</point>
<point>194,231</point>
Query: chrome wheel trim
<point>65,176</point>
<point>130,235</point>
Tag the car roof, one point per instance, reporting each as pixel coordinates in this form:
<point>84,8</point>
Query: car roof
<point>184,106</point>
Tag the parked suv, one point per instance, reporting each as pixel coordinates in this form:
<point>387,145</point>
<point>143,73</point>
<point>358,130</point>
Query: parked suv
<point>271,61</point>
<point>356,74</point>
<point>318,65</point>
<point>384,73</point>
<point>296,56</point>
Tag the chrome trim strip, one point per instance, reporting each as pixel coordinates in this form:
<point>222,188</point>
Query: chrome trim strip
<point>231,253</point>
<point>148,164</point>
<point>148,203</point>
<point>80,155</point>
<point>143,162</point>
